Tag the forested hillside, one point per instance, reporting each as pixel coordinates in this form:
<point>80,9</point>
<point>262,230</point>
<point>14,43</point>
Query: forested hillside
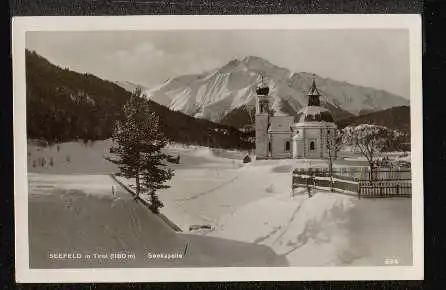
<point>397,118</point>
<point>64,105</point>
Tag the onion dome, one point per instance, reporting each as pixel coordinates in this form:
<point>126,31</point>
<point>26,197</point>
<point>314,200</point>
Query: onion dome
<point>262,88</point>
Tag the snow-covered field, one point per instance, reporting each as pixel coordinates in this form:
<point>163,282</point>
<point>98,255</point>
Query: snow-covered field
<point>327,229</point>
<point>252,203</point>
<point>71,158</point>
<point>78,215</point>
<point>392,156</point>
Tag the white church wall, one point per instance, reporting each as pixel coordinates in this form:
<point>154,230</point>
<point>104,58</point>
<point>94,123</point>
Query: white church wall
<point>295,148</point>
<point>298,148</point>
<point>312,135</point>
<point>278,143</point>
<point>331,135</point>
<point>261,136</point>
<point>324,143</point>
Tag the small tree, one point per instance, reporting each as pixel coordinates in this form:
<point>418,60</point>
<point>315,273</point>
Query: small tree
<point>139,140</point>
<point>370,140</point>
<point>334,145</point>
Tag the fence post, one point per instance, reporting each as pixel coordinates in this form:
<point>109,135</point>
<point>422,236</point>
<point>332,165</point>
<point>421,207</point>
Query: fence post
<point>380,189</point>
<point>292,185</point>
<point>397,189</point>
<point>359,190</point>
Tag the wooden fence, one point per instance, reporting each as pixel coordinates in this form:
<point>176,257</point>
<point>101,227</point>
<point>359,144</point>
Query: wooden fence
<point>385,188</point>
<point>362,173</point>
<point>382,173</point>
<point>348,181</point>
<point>337,182</point>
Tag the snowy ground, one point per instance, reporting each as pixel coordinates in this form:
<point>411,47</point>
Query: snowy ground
<point>71,158</point>
<point>308,231</point>
<point>252,203</point>
<point>393,156</point>
<point>327,229</point>
<point>78,214</point>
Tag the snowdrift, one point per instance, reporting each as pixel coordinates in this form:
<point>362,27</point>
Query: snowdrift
<point>79,215</point>
<point>326,230</point>
<point>308,231</point>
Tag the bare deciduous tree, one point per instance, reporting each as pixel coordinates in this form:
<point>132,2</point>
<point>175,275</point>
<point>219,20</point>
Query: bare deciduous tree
<point>334,145</point>
<point>370,140</point>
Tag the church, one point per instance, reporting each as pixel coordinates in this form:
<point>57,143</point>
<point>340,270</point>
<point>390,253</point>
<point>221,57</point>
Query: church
<point>281,136</point>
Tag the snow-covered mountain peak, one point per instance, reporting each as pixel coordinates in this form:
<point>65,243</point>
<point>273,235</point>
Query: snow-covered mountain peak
<point>215,94</point>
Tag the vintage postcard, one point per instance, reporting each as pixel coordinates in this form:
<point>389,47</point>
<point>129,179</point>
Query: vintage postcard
<point>218,148</point>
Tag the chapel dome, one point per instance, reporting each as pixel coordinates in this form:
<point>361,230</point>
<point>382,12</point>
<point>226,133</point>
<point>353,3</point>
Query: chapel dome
<point>315,114</point>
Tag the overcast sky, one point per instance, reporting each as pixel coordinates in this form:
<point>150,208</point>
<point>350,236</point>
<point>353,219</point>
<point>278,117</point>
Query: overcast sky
<point>375,58</point>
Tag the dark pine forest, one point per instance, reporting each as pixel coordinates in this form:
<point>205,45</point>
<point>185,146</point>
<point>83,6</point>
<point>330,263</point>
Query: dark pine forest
<point>63,105</point>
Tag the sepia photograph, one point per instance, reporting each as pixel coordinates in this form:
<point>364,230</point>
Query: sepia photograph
<point>252,145</point>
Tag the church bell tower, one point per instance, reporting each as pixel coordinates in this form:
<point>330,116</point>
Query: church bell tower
<point>262,122</point>
<point>313,95</point>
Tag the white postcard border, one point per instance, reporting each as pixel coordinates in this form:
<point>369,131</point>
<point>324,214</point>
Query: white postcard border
<point>255,22</point>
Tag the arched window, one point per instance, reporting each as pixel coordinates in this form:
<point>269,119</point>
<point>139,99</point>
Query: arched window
<point>312,145</point>
<point>287,146</point>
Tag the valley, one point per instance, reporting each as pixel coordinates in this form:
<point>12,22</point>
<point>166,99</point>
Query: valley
<point>214,199</point>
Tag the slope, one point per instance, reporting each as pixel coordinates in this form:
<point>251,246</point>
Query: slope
<point>64,105</point>
<point>397,118</point>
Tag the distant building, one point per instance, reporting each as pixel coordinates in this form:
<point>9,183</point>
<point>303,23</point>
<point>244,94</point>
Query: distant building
<point>280,136</point>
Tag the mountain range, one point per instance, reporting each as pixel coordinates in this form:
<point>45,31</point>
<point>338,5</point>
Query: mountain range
<point>227,93</point>
<point>130,86</point>
<point>64,105</point>
<point>397,118</point>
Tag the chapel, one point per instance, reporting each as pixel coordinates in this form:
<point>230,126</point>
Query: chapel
<point>306,135</point>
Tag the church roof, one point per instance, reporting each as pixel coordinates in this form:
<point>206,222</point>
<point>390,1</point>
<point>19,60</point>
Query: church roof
<point>313,91</point>
<point>315,114</point>
<point>281,123</point>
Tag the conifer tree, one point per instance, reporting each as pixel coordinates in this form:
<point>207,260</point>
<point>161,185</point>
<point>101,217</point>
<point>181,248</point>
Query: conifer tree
<point>139,140</point>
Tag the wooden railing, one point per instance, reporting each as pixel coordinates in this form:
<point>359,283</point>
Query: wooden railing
<point>385,188</point>
<point>379,186</point>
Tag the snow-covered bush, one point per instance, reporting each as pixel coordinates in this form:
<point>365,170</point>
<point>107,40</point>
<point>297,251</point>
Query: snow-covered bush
<point>270,188</point>
<point>370,140</point>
